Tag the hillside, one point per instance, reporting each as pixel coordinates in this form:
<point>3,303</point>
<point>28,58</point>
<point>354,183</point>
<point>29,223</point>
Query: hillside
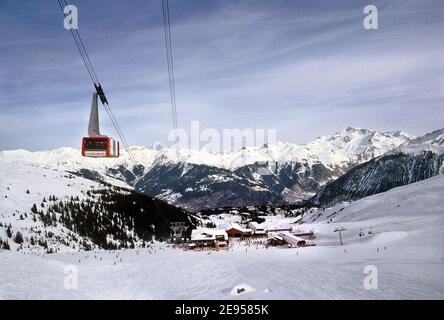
<point>46,210</point>
<point>413,161</point>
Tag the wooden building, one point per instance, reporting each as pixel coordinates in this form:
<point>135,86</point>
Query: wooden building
<point>283,238</point>
<point>258,230</point>
<point>208,237</point>
<point>276,240</point>
<point>236,231</point>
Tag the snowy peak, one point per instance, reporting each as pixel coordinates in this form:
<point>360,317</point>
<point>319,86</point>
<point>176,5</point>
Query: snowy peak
<point>435,138</point>
<point>355,145</point>
<point>197,179</point>
<point>433,141</point>
<point>157,146</point>
<point>413,161</point>
<point>351,145</point>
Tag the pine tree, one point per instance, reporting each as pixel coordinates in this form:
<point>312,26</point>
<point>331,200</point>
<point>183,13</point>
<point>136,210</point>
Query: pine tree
<point>34,208</point>
<point>9,231</point>
<point>18,238</point>
<point>6,245</point>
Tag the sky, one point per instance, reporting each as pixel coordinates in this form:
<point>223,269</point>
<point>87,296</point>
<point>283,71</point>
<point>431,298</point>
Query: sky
<point>304,68</point>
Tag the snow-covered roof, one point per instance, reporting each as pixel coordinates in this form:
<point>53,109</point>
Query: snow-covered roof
<point>275,237</point>
<point>216,232</point>
<point>256,226</point>
<point>232,225</point>
<point>298,232</point>
<point>291,239</point>
<point>260,231</point>
<point>276,223</point>
<point>253,224</point>
<point>208,234</point>
<point>198,234</point>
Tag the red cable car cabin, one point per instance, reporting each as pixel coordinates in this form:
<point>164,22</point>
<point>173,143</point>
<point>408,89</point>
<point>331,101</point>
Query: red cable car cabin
<point>97,145</point>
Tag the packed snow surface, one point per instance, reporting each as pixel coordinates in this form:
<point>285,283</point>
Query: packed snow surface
<point>400,232</point>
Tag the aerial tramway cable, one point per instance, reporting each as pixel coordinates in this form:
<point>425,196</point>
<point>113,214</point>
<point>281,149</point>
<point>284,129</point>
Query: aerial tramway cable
<point>170,63</point>
<point>91,71</point>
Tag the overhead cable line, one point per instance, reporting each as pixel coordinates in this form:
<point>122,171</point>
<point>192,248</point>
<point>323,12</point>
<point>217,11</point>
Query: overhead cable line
<point>91,71</point>
<point>170,63</point>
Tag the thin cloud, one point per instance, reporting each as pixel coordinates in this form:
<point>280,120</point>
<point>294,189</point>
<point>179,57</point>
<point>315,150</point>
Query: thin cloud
<point>305,69</point>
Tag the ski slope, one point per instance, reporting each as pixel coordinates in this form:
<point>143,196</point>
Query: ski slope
<point>405,244</point>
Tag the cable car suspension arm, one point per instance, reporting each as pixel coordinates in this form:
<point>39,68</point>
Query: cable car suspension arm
<point>89,67</point>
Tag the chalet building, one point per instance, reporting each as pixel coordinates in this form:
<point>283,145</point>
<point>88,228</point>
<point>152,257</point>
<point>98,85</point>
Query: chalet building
<point>307,234</point>
<point>236,231</point>
<point>292,240</point>
<point>258,231</point>
<point>286,238</point>
<point>208,237</point>
<point>276,240</point>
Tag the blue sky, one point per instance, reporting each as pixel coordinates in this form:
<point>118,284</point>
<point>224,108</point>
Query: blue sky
<point>305,68</point>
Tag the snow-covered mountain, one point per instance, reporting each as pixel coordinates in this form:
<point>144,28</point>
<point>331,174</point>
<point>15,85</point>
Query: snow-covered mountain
<point>49,210</point>
<point>412,161</point>
<point>345,146</point>
<point>196,179</point>
<point>433,142</point>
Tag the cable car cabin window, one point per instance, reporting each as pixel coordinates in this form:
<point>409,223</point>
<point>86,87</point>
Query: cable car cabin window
<point>96,144</point>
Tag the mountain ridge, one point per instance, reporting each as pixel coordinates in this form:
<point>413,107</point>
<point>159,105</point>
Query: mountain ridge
<point>413,161</point>
<point>274,173</point>
<point>278,151</point>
